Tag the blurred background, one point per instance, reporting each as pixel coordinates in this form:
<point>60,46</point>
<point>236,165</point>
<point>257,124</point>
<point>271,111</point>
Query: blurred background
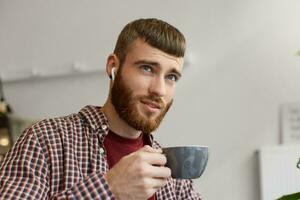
<point>238,95</point>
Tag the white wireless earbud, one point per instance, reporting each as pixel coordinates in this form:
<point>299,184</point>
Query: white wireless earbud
<point>113,73</point>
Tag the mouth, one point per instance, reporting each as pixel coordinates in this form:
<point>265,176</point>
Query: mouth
<point>153,106</point>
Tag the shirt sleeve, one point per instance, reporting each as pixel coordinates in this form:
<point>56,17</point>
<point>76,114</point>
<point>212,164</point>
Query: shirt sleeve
<point>187,191</point>
<point>24,174</point>
<point>92,187</point>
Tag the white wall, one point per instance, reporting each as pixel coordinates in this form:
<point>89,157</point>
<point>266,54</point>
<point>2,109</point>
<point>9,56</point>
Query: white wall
<point>243,66</point>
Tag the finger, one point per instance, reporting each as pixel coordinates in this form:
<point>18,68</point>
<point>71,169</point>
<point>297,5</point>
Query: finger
<point>150,149</point>
<point>159,172</point>
<point>157,183</point>
<point>154,158</point>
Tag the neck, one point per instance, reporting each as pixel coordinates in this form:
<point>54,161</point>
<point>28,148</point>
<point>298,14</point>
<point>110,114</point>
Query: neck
<point>118,125</point>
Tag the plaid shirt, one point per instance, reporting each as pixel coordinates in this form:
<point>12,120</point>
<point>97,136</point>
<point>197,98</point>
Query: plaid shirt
<point>64,158</point>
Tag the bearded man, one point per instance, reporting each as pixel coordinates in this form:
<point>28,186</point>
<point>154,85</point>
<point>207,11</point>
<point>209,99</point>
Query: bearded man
<point>108,152</point>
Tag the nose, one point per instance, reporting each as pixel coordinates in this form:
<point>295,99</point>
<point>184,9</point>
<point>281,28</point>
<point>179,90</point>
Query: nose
<point>158,87</point>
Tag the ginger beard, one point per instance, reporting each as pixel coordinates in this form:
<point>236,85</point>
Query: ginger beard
<point>126,105</point>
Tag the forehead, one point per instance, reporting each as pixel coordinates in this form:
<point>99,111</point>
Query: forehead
<point>140,50</point>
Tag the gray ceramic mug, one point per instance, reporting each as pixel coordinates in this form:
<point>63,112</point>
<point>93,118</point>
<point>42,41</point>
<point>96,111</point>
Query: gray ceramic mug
<point>186,162</point>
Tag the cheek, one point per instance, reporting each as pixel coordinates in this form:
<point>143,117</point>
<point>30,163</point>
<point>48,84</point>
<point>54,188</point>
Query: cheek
<point>138,85</point>
<point>170,94</point>
<point>139,81</point>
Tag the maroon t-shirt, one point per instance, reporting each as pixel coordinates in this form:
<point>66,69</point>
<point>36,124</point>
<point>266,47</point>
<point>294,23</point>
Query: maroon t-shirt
<point>118,147</point>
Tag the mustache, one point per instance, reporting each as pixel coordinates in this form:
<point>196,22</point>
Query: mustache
<point>155,99</point>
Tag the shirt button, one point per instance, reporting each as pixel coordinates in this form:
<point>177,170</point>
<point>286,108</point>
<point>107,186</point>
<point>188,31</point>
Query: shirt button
<point>104,127</point>
<point>101,150</point>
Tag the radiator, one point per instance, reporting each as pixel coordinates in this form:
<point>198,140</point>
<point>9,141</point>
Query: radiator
<point>279,174</point>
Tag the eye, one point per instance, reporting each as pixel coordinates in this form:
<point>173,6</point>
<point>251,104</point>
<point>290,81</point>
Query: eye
<point>172,77</point>
<point>146,68</point>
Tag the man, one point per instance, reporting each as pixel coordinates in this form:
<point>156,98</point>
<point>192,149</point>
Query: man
<point>108,152</point>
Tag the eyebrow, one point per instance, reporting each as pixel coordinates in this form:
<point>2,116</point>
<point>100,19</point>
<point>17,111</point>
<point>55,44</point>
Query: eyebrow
<point>156,64</point>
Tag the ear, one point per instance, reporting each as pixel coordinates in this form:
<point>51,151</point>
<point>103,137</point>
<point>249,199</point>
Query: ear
<point>112,61</point>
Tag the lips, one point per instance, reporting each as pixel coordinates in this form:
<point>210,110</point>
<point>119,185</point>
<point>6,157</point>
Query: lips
<point>152,104</point>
